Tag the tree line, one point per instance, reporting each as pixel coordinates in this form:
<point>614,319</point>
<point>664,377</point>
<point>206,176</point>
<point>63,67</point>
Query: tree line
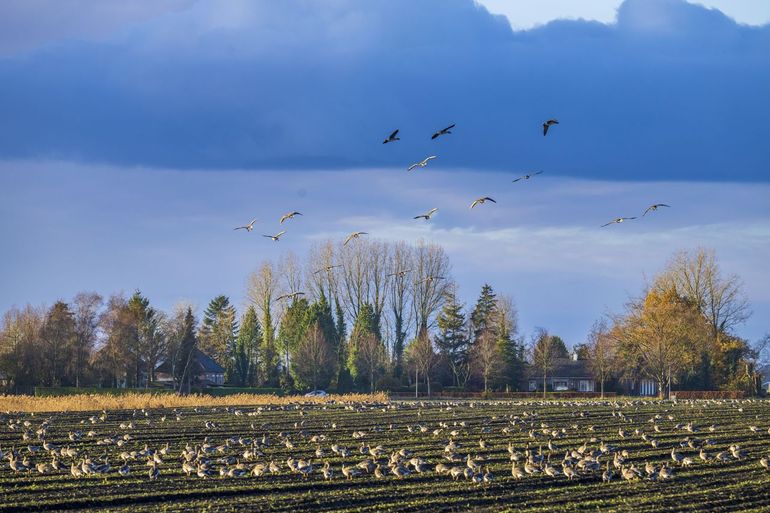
<point>372,316</point>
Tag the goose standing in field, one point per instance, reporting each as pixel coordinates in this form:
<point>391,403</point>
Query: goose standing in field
<point>481,201</point>
<point>443,131</point>
<point>617,220</point>
<point>422,163</point>
<point>352,236</point>
<point>393,137</point>
<point>653,208</point>
<point>527,176</point>
<point>427,215</point>
<point>290,215</point>
<point>275,237</point>
<point>548,124</point>
<point>248,227</point>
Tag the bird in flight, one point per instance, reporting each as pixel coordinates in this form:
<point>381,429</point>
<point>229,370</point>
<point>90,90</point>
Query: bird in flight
<point>443,131</point>
<point>327,269</point>
<point>548,124</point>
<point>618,220</point>
<point>247,227</point>
<point>653,208</point>
<point>289,216</point>
<point>276,236</point>
<point>422,163</point>
<point>291,295</point>
<point>527,176</point>
<point>400,274</point>
<point>427,215</point>
<point>430,279</point>
<point>392,137</point>
<point>481,201</point>
<point>352,236</point>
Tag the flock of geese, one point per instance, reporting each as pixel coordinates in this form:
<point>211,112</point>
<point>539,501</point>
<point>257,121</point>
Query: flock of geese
<point>393,137</point>
<point>314,448</point>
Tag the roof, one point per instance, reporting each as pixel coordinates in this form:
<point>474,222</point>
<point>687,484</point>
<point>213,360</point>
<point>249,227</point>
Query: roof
<point>564,368</point>
<point>205,363</point>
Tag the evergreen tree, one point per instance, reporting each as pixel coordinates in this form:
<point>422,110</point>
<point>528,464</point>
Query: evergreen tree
<point>291,331</point>
<point>267,351</point>
<point>184,366</point>
<point>483,315</point>
<point>452,339</point>
<point>364,356</point>
<point>58,339</point>
<point>344,379</point>
<point>219,329</point>
<point>246,352</point>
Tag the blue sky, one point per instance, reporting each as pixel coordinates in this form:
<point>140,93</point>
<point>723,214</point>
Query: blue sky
<point>134,135</point>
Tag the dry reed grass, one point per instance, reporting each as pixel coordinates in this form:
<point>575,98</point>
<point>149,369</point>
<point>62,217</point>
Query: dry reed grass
<point>98,402</point>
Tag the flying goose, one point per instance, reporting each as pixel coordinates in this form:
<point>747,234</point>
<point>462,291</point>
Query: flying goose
<point>427,215</point>
<point>527,176</point>
<point>352,236</point>
<point>481,201</point>
<point>617,220</point>
<point>548,124</point>
<point>429,279</point>
<point>291,295</point>
<point>443,131</point>
<point>653,208</point>
<point>327,269</point>
<point>422,163</point>
<point>276,236</point>
<point>247,227</point>
<point>392,137</point>
<point>290,215</point>
<point>401,273</point>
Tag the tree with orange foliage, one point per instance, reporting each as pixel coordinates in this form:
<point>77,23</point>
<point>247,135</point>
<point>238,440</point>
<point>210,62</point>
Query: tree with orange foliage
<point>662,335</point>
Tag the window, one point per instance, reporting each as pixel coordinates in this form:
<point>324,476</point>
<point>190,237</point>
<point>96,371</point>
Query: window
<point>532,385</point>
<point>559,385</point>
<point>586,385</point>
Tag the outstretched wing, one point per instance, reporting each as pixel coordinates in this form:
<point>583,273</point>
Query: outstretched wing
<point>412,167</point>
<point>395,132</point>
<point>448,128</point>
<point>490,199</point>
<point>545,128</point>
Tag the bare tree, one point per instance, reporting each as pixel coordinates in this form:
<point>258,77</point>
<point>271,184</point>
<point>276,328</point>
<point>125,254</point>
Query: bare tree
<point>698,278</point>
<point>370,354</point>
<point>262,291</point>
<point>399,299</point>
<point>544,351</point>
<point>86,314</point>
<point>487,358</point>
<point>602,352</point>
<point>291,273</point>
<point>423,359</point>
<point>321,273</point>
<point>431,281</point>
<point>313,362</point>
<point>354,276</point>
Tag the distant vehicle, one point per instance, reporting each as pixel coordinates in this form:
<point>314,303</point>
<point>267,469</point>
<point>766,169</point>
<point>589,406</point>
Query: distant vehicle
<point>316,393</point>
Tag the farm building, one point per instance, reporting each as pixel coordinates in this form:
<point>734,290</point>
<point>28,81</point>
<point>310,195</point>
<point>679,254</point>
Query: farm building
<point>567,374</point>
<point>205,371</point>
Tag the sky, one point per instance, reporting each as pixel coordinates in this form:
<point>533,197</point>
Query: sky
<point>134,135</point>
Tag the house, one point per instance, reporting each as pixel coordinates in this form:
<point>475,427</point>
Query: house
<point>643,387</point>
<point>204,371</point>
<point>567,374</point>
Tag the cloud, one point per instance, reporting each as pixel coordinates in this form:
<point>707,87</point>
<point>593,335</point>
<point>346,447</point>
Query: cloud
<point>668,92</point>
<point>68,227</point>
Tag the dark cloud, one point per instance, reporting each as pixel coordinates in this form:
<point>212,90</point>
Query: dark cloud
<point>671,91</point>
